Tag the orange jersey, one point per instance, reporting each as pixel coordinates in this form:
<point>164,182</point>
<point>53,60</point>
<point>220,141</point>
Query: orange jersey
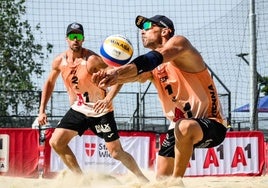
<point>77,81</point>
<point>186,95</point>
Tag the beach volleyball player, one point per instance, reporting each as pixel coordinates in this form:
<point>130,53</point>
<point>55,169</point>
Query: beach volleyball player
<point>91,106</point>
<point>185,88</point>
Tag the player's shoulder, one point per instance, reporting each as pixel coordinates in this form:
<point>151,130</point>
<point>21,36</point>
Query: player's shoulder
<point>58,60</point>
<point>60,56</point>
<point>95,59</point>
<point>88,52</point>
<point>92,56</point>
<point>179,38</point>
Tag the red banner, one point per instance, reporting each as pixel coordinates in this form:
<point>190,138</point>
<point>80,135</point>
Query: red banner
<point>266,158</point>
<point>19,152</point>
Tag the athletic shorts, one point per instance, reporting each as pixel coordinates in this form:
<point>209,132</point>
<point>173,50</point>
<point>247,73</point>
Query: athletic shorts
<point>103,126</point>
<point>214,134</point>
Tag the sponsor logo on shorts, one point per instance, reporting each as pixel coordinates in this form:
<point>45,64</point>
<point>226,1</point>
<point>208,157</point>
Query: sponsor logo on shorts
<point>104,128</point>
<point>205,144</point>
<point>110,135</point>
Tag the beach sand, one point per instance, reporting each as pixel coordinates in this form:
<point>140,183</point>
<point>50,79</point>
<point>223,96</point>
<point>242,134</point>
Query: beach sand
<point>66,179</point>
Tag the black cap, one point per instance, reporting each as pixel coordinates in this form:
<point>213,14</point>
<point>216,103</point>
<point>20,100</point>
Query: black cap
<point>75,27</point>
<point>158,19</point>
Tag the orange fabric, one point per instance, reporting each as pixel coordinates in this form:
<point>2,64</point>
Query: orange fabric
<point>186,95</point>
<point>77,81</point>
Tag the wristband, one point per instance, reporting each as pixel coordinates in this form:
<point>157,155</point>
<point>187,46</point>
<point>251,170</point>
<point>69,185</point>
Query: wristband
<point>148,61</point>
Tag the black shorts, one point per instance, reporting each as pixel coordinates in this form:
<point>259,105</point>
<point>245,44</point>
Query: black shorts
<point>214,134</point>
<point>103,126</point>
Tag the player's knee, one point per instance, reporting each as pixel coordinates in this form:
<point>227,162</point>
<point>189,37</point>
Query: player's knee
<point>116,153</point>
<point>52,143</point>
<point>188,131</point>
<point>55,144</point>
<point>184,130</point>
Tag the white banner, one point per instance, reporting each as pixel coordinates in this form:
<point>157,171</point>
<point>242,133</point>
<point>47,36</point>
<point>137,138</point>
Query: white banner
<point>4,152</point>
<point>236,155</point>
<point>92,154</point>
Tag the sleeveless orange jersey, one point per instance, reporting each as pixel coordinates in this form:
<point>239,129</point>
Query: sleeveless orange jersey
<point>186,95</point>
<point>77,81</point>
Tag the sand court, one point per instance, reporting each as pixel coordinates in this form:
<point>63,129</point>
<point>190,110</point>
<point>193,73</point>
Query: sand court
<point>97,180</point>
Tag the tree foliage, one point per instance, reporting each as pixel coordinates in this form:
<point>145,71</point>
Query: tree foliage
<point>21,57</point>
<point>264,82</point>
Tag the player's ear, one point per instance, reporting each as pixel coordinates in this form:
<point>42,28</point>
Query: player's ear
<point>165,31</point>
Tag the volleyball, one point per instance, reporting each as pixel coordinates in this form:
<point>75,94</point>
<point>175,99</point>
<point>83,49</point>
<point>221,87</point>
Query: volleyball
<point>116,50</point>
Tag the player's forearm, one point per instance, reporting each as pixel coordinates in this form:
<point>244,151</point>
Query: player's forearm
<point>113,92</point>
<point>46,94</point>
<point>42,108</point>
<point>127,73</point>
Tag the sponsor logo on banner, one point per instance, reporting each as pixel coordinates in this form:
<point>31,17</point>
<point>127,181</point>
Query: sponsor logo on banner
<point>90,149</point>
<point>233,156</point>
<point>92,154</point>
<point>4,152</point>
<point>101,150</point>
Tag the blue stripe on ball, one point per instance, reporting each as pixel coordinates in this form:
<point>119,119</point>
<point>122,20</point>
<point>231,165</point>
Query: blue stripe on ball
<point>104,54</point>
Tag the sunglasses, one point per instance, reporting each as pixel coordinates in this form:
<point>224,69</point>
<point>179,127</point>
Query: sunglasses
<point>76,36</point>
<point>148,25</point>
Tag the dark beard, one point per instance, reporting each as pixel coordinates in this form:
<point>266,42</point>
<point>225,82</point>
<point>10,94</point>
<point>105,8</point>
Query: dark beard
<point>76,49</point>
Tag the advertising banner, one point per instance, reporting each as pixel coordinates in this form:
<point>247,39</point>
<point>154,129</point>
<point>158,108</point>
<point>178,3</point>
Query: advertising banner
<point>92,154</point>
<point>241,153</point>
<point>19,152</point>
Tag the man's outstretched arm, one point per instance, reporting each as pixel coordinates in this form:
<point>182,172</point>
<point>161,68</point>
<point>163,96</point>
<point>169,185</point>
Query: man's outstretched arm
<point>129,72</point>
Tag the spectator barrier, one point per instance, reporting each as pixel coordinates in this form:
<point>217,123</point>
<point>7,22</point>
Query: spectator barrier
<point>242,153</point>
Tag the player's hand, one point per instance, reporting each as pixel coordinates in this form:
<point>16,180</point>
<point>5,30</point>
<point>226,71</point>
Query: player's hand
<point>105,78</point>
<point>42,119</point>
<point>101,105</point>
<point>98,76</point>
